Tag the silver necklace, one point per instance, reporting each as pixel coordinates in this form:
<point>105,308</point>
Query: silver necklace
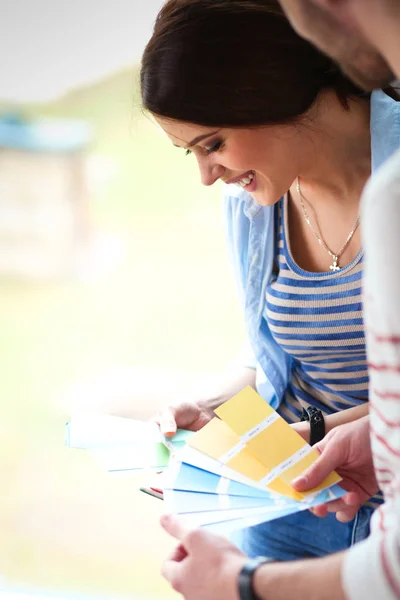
<point>334,266</point>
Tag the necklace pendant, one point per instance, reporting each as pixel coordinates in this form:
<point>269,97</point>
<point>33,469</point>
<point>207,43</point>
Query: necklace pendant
<point>334,266</point>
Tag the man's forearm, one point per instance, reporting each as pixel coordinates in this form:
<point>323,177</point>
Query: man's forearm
<point>313,579</point>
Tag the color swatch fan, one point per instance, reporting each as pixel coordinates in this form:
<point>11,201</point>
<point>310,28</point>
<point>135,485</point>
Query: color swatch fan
<point>237,470</point>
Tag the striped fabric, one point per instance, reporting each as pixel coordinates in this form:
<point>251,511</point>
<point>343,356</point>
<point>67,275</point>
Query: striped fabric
<point>317,319</point>
<point>371,569</point>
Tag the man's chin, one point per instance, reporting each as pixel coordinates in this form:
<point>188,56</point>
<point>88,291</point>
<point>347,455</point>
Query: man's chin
<point>368,80</point>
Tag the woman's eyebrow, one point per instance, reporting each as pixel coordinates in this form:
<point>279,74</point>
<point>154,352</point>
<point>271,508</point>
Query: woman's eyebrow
<point>197,139</point>
<point>200,138</point>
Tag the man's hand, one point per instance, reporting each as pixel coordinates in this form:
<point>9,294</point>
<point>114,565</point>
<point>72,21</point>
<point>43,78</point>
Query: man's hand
<point>347,450</point>
<point>203,565</point>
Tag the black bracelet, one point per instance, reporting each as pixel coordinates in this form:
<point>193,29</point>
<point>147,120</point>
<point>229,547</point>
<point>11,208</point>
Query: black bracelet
<point>317,423</point>
<point>245,581</point>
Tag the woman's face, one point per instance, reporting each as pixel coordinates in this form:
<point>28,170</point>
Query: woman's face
<point>263,160</point>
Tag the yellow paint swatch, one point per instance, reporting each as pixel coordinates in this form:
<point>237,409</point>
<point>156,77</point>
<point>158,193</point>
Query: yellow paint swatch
<point>217,440</point>
<point>274,442</point>
<point>244,411</point>
<point>214,439</point>
<point>272,445</point>
<point>303,464</point>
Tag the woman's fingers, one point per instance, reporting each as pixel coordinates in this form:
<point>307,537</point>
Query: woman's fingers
<point>166,420</point>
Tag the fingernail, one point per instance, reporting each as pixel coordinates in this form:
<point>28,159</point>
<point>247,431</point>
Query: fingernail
<point>300,480</point>
<point>164,519</point>
<point>168,429</point>
<point>350,501</point>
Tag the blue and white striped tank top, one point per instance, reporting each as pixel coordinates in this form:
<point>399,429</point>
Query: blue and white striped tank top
<point>317,319</point>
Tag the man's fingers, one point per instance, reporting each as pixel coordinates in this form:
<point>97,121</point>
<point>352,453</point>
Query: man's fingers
<point>350,501</point>
<point>319,511</point>
<point>316,473</point>
<point>353,499</point>
<point>171,571</point>
<point>173,526</point>
<point>346,508</point>
<point>344,516</point>
<point>178,553</point>
<point>347,505</point>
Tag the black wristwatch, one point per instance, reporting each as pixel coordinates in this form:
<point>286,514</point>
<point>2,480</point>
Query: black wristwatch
<point>245,581</point>
<point>317,423</point>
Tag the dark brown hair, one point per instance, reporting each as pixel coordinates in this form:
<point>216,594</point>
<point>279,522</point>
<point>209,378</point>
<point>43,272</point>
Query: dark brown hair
<point>233,63</point>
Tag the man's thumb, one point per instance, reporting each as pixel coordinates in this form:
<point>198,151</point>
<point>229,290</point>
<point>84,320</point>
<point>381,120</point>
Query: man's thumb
<point>316,473</point>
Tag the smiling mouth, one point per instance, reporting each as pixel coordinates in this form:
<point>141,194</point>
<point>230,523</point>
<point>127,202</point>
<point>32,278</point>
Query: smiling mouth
<point>244,180</point>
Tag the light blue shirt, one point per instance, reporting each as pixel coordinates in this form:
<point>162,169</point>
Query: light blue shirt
<point>250,232</point>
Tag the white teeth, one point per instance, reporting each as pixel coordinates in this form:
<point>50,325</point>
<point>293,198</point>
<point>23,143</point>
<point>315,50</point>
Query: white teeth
<point>246,180</point>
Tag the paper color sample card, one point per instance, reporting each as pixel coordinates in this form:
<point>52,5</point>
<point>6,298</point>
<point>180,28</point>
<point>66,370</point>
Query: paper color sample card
<point>87,430</point>
<point>219,442</point>
<point>226,526</point>
<point>188,502</point>
<point>183,477</point>
<point>121,444</point>
<point>217,509</point>
<point>135,455</point>
<point>268,437</point>
<point>186,477</point>
<point>235,472</point>
<point>127,457</point>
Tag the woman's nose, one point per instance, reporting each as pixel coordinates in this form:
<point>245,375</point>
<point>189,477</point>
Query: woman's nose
<point>210,173</point>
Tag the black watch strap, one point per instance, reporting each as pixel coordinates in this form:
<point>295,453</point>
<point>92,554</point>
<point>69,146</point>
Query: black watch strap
<point>317,423</point>
<point>245,581</point>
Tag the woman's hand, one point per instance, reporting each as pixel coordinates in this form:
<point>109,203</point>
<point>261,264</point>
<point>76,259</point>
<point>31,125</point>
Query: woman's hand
<point>194,414</point>
<point>185,415</point>
<point>303,429</point>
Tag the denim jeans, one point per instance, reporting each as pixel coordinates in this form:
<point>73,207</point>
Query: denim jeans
<point>303,535</point>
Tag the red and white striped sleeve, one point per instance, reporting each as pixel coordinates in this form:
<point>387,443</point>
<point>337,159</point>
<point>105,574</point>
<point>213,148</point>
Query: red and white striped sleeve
<point>372,567</point>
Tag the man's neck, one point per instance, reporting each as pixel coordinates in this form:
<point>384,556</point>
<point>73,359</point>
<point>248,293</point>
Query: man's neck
<point>380,23</point>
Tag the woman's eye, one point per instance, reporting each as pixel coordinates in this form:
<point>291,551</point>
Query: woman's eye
<point>188,152</point>
<point>217,146</point>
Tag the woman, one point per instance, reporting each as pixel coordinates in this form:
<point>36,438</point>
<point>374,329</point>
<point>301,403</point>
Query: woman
<point>263,111</point>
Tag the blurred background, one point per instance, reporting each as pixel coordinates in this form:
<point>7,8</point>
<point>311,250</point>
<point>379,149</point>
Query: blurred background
<point>116,293</point>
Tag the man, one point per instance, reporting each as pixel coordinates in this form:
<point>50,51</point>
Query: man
<point>364,36</point>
